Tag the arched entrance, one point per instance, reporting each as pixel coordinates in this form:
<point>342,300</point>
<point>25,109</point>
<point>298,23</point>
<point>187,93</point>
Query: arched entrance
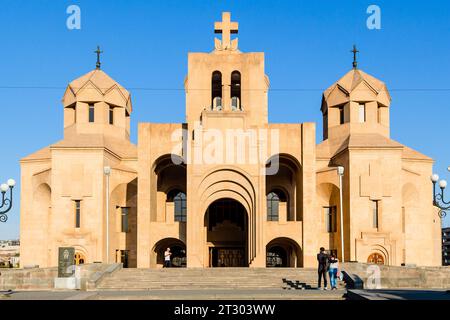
<point>178,249</point>
<point>283,252</point>
<point>226,223</point>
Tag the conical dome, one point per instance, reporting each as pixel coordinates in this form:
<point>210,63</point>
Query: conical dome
<point>356,85</point>
<point>97,86</point>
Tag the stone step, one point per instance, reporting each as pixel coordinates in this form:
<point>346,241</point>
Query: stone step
<point>228,279</point>
<point>225,294</point>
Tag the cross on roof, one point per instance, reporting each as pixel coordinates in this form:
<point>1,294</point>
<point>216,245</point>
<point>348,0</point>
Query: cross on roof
<point>226,28</point>
<point>354,51</point>
<point>98,52</point>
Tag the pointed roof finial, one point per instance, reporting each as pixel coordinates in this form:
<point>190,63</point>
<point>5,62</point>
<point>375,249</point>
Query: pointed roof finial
<point>354,51</point>
<point>98,52</point>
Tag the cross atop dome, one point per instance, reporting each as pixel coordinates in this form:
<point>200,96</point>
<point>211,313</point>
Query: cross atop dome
<point>355,62</point>
<point>98,52</point>
<point>226,27</point>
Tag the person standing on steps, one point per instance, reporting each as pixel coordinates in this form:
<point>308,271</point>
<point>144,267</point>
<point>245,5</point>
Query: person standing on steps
<point>167,261</point>
<point>334,269</point>
<point>322,260</point>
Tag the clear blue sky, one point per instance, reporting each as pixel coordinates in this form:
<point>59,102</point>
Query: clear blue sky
<point>145,45</point>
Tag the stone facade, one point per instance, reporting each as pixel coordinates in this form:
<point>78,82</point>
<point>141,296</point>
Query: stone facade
<point>227,188</point>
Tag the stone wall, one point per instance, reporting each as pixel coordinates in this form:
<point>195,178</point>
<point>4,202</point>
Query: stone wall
<point>27,279</point>
<point>400,277</point>
<point>44,278</point>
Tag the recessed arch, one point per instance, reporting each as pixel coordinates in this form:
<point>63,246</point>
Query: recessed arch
<point>168,173</point>
<point>230,180</point>
<point>235,91</point>
<point>123,215</point>
<point>283,252</point>
<point>230,194</point>
<point>177,247</point>
<point>216,90</point>
<point>328,209</point>
<point>284,172</point>
<point>377,251</point>
<point>230,170</point>
<point>166,160</point>
<point>287,159</point>
<point>226,225</point>
<point>81,255</point>
<point>39,215</point>
<point>234,183</point>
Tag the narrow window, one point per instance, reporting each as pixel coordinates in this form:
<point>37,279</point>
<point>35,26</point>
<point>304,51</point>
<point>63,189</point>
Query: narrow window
<point>375,212</point>
<point>124,216</point>
<point>91,112</point>
<point>330,219</point>
<point>273,204</point>
<point>235,90</point>
<point>77,213</point>
<point>362,113</point>
<point>341,115</point>
<point>180,207</point>
<point>325,125</point>
<point>111,115</point>
<point>216,90</point>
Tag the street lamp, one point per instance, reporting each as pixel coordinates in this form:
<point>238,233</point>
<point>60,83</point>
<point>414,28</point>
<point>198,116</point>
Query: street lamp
<point>6,202</point>
<point>438,198</point>
<point>340,172</point>
<point>107,173</point>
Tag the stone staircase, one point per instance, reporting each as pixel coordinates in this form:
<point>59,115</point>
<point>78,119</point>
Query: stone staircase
<point>210,279</point>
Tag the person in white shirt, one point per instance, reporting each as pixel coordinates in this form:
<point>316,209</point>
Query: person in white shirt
<point>333,271</point>
<point>167,261</point>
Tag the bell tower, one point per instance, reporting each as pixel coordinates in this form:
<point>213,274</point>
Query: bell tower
<point>97,104</point>
<point>226,83</point>
<point>356,103</point>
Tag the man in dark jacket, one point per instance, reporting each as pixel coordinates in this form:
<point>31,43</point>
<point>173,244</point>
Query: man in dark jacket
<point>322,259</point>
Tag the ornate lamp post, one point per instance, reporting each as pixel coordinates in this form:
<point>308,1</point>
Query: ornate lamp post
<point>6,202</point>
<point>438,198</point>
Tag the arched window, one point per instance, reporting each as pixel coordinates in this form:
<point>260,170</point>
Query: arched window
<point>273,204</point>
<point>216,90</point>
<point>235,90</point>
<point>179,199</point>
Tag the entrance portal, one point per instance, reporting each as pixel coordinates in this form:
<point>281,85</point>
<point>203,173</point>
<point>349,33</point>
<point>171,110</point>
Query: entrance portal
<point>227,230</point>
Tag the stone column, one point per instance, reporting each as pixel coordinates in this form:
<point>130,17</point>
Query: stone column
<point>311,223</point>
<point>143,214</point>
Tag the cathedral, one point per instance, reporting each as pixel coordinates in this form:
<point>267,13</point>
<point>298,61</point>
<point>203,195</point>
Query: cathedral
<point>226,188</point>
